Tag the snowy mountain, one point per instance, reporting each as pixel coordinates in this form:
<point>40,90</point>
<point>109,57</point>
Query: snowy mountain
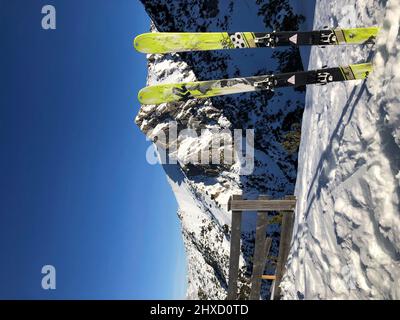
<point>347,237</point>
<point>346,174</point>
<point>202,191</point>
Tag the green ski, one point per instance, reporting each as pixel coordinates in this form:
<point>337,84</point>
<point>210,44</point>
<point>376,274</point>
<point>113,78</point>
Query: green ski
<point>166,42</point>
<point>163,93</point>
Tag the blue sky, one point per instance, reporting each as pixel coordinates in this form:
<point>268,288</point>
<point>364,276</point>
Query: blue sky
<point>76,190</point>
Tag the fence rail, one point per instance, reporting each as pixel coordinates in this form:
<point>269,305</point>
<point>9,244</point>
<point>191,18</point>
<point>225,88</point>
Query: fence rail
<point>262,244</point>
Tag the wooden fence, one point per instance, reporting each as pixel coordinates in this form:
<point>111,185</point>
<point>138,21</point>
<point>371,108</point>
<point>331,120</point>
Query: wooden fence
<point>262,244</point>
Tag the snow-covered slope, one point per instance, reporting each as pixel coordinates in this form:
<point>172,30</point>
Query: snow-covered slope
<point>346,240</point>
<point>202,191</point>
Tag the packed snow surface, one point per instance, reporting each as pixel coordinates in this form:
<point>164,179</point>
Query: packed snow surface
<point>346,242</point>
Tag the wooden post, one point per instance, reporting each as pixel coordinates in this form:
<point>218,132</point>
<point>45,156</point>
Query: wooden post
<point>284,247</point>
<point>267,247</point>
<point>234,251</point>
<point>259,252</point>
<point>263,205</point>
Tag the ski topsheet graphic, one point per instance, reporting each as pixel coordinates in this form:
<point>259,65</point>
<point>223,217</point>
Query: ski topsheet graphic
<point>203,89</point>
<point>166,42</point>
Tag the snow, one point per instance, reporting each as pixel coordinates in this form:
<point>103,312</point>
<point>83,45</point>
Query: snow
<point>346,242</point>
<point>192,207</point>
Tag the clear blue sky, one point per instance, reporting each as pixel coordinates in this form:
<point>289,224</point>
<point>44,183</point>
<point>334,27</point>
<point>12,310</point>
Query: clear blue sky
<point>76,190</point>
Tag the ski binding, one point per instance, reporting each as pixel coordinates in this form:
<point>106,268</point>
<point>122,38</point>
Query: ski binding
<point>269,40</point>
<point>324,78</point>
<point>267,84</point>
<point>328,37</point>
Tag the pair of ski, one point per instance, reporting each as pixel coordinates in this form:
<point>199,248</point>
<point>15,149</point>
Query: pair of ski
<point>179,42</point>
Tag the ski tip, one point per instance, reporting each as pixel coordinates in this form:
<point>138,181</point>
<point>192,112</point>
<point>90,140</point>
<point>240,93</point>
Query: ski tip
<point>150,95</point>
<point>138,43</point>
<point>142,96</point>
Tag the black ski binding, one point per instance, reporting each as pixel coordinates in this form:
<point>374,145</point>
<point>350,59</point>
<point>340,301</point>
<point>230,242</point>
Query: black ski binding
<point>269,40</point>
<point>324,78</point>
<point>268,83</point>
<point>328,37</point>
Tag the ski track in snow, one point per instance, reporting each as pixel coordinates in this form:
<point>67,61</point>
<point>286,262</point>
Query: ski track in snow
<point>346,242</point>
